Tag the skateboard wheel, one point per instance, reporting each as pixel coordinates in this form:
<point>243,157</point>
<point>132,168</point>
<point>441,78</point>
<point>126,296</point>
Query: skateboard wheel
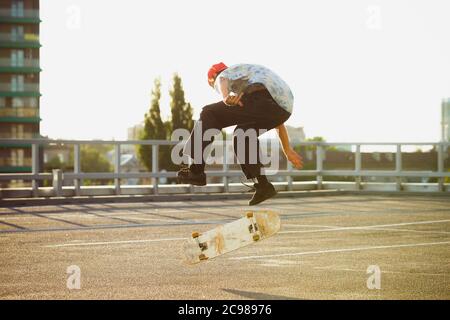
<point>249,214</point>
<point>195,235</point>
<point>202,257</point>
<point>255,237</point>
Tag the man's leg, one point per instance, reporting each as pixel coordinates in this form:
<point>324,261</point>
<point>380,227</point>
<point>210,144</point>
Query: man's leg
<point>246,143</point>
<point>214,116</point>
<point>247,150</point>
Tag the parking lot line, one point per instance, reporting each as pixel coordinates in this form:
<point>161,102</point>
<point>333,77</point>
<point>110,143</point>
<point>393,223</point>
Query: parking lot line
<point>110,242</point>
<point>340,250</point>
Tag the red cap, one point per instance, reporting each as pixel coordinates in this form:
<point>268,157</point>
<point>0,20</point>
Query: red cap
<point>215,69</point>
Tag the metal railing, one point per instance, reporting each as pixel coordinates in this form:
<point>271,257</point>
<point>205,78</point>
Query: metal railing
<point>77,176</point>
<point>18,37</point>
<point>18,136</point>
<point>19,63</point>
<point>19,112</point>
<point>24,87</point>
<point>9,161</point>
<point>25,13</point>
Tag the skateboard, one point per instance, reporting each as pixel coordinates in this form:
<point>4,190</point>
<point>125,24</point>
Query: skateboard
<point>253,227</point>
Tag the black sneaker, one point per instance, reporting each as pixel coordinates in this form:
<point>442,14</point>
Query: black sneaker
<point>185,175</point>
<point>262,193</point>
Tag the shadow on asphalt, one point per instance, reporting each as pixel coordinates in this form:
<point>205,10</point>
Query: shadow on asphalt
<point>257,295</point>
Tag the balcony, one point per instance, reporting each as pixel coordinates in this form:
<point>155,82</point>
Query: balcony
<point>19,136</point>
<point>15,162</point>
<point>20,115</point>
<point>19,16</point>
<point>12,40</point>
<point>19,90</point>
<point>15,165</point>
<point>19,66</point>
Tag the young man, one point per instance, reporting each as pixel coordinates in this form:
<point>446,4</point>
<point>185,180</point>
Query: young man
<point>254,98</point>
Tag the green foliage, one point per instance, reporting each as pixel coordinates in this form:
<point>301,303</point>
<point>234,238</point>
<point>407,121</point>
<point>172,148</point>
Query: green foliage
<point>154,129</point>
<point>157,129</point>
<point>93,159</point>
<point>180,110</point>
<point>54,163</point>
<point>312,147</point>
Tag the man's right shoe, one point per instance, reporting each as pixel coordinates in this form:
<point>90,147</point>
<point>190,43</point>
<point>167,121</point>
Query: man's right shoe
<point>262,193</point>
<point>185,175</point>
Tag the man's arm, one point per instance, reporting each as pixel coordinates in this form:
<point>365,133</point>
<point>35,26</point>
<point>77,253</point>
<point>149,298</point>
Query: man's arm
<point>228,98</point>
<point>291,155</point>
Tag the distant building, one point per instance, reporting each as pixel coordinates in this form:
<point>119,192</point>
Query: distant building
<point>61,152</point>
<point>445,120</point>
<point>128,163</point>
<point>133,132</point>
<point>19,81</point>
<point>296,135</point>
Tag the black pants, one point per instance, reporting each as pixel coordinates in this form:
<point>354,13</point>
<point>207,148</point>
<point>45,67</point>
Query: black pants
<point>260,112</point>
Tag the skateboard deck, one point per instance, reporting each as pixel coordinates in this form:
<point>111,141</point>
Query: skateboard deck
<point>253,227</point>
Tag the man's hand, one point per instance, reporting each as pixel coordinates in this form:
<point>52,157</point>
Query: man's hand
<point>233,100</point>
<point>294,158</point>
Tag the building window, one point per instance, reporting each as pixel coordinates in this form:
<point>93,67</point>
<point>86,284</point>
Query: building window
<point>17,58</point>
<point>17,9</point>
<point>17,103</point>
<point>17,157</point>
<point>17,33</point>
<point>17,131</point>
<point>17,83</point>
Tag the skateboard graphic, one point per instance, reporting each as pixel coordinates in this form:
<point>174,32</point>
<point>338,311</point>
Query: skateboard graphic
<point>253,227</point>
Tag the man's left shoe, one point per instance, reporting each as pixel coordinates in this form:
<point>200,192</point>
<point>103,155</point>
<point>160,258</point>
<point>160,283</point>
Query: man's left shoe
<point>262,193</point>
<point>185,175</point>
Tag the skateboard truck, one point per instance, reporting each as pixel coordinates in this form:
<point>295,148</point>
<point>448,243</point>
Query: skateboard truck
<point>253,227</point>
<point>203,245</point>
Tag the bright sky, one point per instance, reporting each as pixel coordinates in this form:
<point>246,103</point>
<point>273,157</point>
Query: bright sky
<point>360,70</point>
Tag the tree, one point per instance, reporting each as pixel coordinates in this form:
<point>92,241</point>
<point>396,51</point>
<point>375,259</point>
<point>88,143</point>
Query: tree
<point>154,129</point>
<point>181,117</point>
<point>54,163</point>
<point>180,110</point>
<point>93,159</point>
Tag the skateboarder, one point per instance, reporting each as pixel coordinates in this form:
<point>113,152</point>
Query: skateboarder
<point>254,98</point>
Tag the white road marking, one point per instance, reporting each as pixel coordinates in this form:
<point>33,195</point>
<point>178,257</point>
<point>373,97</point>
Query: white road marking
<point>81,214</point>
<point>366,227</point>
<point>308,225</point>
<point>340,250</point>
<point>382,271</point>
<point>410,230</point>
<point>110,242</point>
<point>142,218</point>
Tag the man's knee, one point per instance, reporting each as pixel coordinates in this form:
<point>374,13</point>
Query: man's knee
<point>206,113</point>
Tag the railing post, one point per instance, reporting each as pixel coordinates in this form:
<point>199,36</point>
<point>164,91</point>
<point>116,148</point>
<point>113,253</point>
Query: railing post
<point>358,167</point>
<point>191,186</point>
<point>289,177</point>
<point>77,169</point>
<point>225,167</point>
<point>117,167</point>
<point>57,182</point>
<point>440,149</point>
<point>319,165</point>
<point>155,166</point>
<point>35,168</point>
<point>398,167</point>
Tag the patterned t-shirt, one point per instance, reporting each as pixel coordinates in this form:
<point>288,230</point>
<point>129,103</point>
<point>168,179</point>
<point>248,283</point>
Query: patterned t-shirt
<point>241,76</point>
